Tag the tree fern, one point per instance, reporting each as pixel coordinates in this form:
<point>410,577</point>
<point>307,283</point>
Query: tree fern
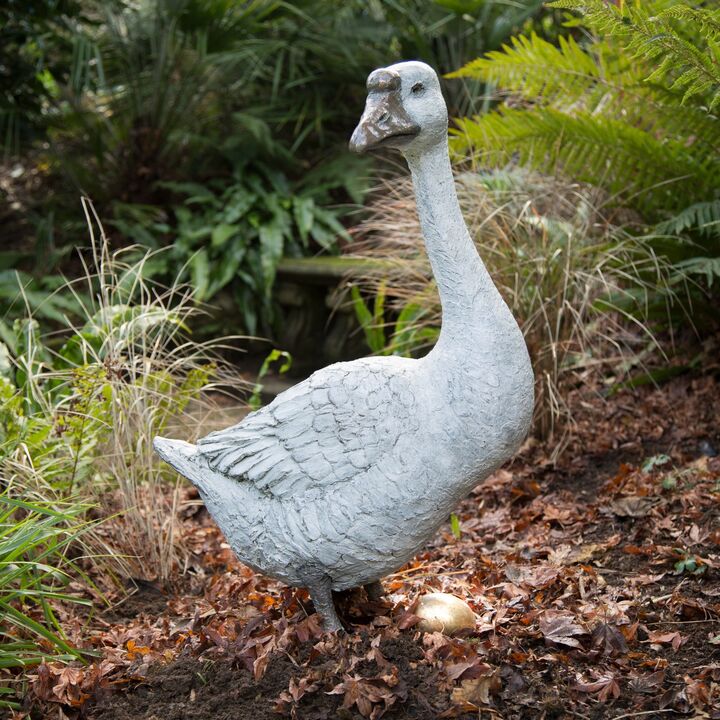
<point>689,65</point>
<point>591,148</point>
<point>601,111</point>
<point>598,79</point>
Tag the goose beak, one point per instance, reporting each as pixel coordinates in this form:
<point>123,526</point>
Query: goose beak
<point>385,121</point>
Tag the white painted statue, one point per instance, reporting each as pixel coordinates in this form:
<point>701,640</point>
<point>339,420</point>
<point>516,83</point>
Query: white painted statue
<point>345,476</point>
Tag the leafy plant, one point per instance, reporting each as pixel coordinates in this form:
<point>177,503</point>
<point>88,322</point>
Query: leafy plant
<point>79,417</point>
<point>273,356</point>
<point>690,564</point>
<point>233,235</point>
<point>34,572</point>
<point>409,333</point>
<point>35,39</point>
<point>444,33</point>
<point>630,111</point>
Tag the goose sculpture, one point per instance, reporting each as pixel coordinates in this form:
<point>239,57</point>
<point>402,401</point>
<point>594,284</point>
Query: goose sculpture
<point>344,477</point>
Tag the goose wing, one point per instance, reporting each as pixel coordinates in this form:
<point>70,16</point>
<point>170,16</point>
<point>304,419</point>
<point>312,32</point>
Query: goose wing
<point>333,427</point>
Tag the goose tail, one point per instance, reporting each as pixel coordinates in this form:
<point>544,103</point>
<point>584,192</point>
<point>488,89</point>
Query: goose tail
<point>182,456</point>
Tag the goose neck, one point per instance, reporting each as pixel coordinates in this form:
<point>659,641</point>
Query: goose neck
<point>468,295</point>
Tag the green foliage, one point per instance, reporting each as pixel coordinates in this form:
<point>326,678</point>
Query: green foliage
<point>371,321</point>
<point>409,334</point>
<point>36,40</point>
<point>627,160</point>
<point>144,97</point>
<point>77,416</point>
<point>42,297</point>
<point>234,235</point>
<point>34,572</point>
<point>273,356</point>
<point>679,41</point>
<point>445,33</point>
<point>689,564</point>
<point>629,111</point>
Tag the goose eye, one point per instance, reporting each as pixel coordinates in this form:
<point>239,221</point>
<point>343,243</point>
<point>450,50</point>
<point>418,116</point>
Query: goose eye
<point>418,87</point>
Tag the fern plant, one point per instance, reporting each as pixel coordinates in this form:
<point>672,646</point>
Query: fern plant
<point>631,111</point>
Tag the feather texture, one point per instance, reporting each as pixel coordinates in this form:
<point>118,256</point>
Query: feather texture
<point>339,423</point>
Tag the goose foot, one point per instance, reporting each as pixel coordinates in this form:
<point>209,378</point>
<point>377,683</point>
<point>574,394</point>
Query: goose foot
<point>375,591</point>
<point>322,598</point>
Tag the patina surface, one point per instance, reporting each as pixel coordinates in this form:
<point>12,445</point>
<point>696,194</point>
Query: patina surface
<point>344,477</point>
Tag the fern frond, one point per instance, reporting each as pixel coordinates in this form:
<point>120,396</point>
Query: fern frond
<point>571,78</point>
<point>703,217</point>
<point>535,68</point>
<point>702,20</point>
<point>706,267</point>
<point>591,148</point>
<point>603,16</point>
<point>683,64</point>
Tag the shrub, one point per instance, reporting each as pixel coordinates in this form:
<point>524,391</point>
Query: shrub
<point>233,234</point>
<point>632,111</point>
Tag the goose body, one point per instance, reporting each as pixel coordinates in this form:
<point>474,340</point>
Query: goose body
<point>345,476</point>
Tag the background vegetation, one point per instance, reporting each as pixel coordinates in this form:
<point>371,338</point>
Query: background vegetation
<point>211,136</point>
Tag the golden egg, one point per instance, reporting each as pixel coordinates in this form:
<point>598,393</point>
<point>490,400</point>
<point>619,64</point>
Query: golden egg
<point>445,613</point>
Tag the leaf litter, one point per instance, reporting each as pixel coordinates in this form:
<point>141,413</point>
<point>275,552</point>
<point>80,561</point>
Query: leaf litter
<point>595,580</point>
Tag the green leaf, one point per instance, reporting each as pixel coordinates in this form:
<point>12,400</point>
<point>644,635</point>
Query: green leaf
<point>455,526</point>
<point>273,356</point>
<point>370,321</point>
<point>222,233</point>
<point>303,211</point>
<point>271,250</point>
<point>200,274</point>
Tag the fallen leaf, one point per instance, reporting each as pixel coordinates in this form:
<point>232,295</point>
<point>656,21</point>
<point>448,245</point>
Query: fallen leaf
<point>605,687</point>
<point>477,691</point>
<point>609,640</point>
<point>635,506</point>
<point>560,628</point>
<point>673,638</point>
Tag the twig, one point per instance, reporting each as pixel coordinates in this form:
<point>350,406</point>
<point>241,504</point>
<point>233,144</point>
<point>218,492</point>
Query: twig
<point>683,622</point>
<point>642,712</point>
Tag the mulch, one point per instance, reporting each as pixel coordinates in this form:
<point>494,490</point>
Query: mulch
<point>595,580</point>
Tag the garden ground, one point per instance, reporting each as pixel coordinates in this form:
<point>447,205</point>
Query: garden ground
<point>596,582</point>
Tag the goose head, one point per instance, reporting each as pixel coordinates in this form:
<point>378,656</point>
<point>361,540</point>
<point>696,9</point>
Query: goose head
<point>405,110</point>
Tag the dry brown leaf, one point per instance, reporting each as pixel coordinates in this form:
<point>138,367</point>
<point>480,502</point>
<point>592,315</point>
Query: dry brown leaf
<point>635,506</point>
<point>608,639</point>
<point>477,691</point>
<point>673,638</point>
<point>560,628</point>
<point>605,687</point>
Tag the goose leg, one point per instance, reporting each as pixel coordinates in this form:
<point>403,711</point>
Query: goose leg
<point>322,598</point>
<point>374,590</point>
